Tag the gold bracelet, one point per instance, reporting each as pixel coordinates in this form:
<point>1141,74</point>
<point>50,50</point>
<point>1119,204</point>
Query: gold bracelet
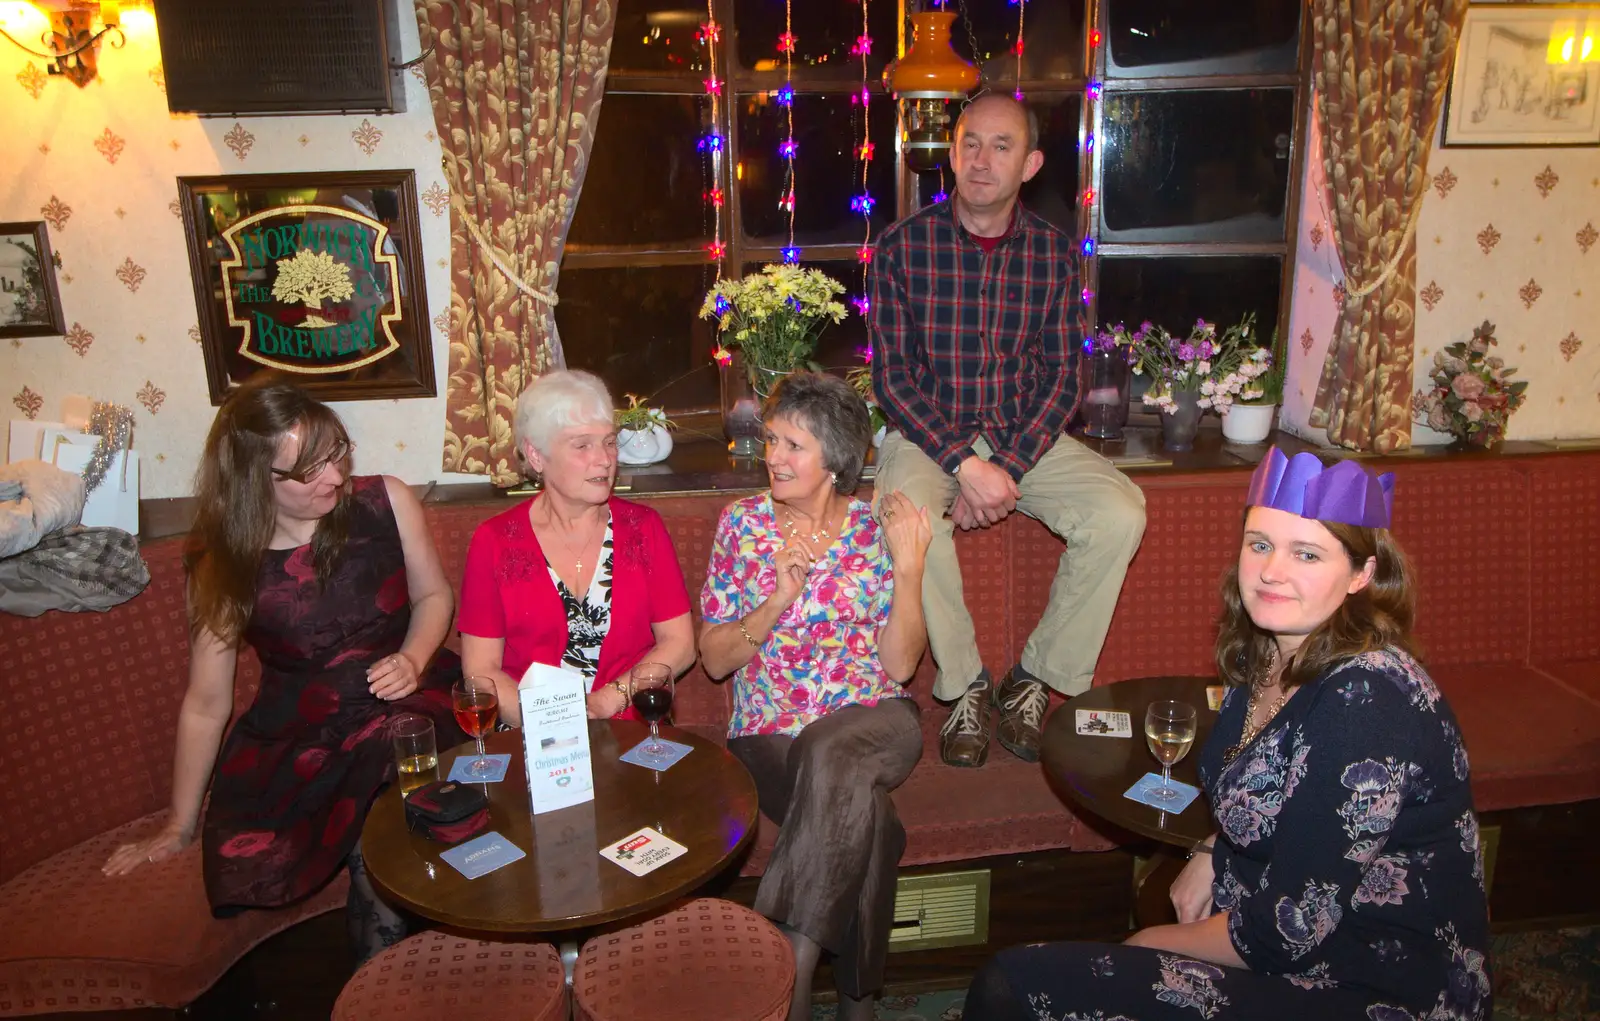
<point>747,636</point>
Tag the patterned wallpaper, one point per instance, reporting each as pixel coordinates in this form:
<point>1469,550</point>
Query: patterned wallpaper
<point>1505,235</point>
<point>100,163</point>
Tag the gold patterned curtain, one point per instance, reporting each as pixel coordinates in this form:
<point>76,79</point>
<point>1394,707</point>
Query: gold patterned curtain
<point>516,88</point>
<point>1380,69</point>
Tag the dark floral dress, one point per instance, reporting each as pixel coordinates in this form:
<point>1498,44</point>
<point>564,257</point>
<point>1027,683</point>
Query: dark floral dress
<point>1348,861</point>
<point>299,770</point>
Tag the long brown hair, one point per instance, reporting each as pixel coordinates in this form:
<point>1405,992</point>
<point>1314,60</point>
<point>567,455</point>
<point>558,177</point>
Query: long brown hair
<point>1379,616</point>
<point>236,515</point>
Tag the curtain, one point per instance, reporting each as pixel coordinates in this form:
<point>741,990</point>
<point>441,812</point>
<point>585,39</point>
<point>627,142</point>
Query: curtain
<point>1380,68</point>
<point>516,88</point>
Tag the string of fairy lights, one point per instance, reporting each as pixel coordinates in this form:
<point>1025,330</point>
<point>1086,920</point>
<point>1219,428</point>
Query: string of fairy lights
<point>715,146</point>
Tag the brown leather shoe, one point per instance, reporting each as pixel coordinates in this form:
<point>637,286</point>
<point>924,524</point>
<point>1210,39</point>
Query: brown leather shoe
<point>1022,705</point>
<point>964,738</point>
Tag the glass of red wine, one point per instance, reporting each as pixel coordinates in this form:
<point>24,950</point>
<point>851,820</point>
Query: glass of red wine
<point>477,708</point>
<point>650,691</point>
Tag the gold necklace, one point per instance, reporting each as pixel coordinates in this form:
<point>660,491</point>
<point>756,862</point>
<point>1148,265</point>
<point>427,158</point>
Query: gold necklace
<point>577,564</point>
<point>1249,730</point>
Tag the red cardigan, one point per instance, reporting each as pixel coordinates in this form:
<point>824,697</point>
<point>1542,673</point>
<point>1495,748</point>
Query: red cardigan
<point>507,592</point>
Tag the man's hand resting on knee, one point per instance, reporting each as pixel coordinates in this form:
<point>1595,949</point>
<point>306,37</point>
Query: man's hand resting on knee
<point>988,494</point>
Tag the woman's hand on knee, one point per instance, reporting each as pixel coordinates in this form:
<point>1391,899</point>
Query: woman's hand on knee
<point>1191,891</point>
<point>170,841</point>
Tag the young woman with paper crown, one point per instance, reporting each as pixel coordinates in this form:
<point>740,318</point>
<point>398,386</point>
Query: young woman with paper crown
<point>334,581</point>
<point>1345,879</point>
<point>575,577</point>
<point>816,610</point>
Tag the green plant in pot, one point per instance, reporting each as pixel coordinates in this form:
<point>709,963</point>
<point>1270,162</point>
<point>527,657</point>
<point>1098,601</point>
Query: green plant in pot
<point>643,433</point>
<point>860,377</point>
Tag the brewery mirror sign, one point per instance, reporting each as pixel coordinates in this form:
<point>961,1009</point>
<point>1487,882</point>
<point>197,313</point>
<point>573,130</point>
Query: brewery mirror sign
<point>317,276</point>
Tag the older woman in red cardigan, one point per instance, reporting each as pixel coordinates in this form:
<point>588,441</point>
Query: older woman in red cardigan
<point>574,577</point>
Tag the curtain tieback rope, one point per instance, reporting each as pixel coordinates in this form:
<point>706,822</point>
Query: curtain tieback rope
<point>494,254</point>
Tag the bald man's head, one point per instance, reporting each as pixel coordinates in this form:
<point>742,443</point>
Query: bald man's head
<point>1000,100</point>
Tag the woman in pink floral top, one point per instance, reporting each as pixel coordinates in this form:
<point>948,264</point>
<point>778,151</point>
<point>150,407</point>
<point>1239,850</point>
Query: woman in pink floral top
<point>800,607</point>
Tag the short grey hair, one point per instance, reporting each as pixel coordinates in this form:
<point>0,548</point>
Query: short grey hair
<point>560,400</point>
<point>832,411</point>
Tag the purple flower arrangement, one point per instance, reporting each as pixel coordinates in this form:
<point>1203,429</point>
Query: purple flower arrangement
<point>1219,369</point>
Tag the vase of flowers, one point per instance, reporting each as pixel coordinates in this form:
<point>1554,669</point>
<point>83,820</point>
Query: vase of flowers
<point>1249,418</point>
<point>768,324</point>
<point>1199,372</point>
<point>1473,394</point>
<point>643,433</point>
<point>1104,376</point>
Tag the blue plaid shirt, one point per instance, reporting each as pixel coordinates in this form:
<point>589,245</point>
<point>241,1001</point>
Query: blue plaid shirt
<point>967,343</point>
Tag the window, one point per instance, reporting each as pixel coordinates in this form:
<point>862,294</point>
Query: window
<point>1181,128</point>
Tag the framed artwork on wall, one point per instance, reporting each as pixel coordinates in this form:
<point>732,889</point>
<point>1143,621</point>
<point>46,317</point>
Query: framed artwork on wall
<point>318,276</point>
<point>1525,75</point>
<point>30,304</point>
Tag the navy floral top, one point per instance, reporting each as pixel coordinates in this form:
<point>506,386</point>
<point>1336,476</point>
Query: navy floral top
<point>1347,853</point>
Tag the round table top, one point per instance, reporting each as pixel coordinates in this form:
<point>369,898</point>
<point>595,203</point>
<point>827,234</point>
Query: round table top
<point>1093,772</point>
<point>706,802</point>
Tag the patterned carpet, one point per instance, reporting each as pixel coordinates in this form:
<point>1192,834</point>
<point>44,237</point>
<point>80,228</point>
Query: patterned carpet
<point>1548,976</point>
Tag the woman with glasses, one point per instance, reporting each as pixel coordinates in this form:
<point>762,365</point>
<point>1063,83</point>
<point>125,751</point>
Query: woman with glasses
<point>334,581</point>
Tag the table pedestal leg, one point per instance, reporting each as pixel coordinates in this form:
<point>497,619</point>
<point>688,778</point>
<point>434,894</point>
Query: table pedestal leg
<point>569,964</point>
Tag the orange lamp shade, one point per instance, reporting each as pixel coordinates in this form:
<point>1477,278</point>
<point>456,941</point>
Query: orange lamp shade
<point>930,69</point>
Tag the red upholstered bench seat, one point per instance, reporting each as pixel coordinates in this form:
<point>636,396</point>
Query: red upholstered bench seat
<point>73,940</point>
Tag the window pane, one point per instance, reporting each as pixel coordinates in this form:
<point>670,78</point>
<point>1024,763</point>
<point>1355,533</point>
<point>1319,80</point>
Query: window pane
<point>824,31</point>
<point>659,35</point>
<point>638,329</point>
<point>1159,38</point>
<point>1191,166</point>
<point>1173,292</point>
<point>647,179</point>
<point>1052,37</point>
<point>1053,192</point>
<point>827,128</point>
<point>839,346</point>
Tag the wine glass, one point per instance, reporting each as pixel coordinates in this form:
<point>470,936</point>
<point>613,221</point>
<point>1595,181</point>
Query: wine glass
<point>1169,728</point>
<point>650,691</point>
<point>476,707</point>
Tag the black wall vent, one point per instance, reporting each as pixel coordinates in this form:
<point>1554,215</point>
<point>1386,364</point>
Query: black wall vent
<point>279,56</point>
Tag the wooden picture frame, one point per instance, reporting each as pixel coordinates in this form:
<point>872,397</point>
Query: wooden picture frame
<point>1522,78</point>
<point>318,276</point>
<point>30,302</point>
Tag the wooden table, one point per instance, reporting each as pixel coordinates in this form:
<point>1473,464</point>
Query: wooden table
<point>706,801</point>
<point>1093,772</point>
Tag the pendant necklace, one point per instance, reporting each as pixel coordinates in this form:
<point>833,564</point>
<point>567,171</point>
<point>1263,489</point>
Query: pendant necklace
<point>1250,728</point>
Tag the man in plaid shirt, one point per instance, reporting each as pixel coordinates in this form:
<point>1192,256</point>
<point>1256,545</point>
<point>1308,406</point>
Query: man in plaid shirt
<point>976,318</point>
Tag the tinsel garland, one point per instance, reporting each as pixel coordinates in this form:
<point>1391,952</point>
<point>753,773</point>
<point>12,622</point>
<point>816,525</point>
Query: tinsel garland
<point>113,423</point>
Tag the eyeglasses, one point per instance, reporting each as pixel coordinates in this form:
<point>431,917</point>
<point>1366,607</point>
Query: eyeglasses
<point>341,451</point>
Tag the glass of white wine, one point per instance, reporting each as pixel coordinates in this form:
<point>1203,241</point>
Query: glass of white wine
<point>1169,728</point>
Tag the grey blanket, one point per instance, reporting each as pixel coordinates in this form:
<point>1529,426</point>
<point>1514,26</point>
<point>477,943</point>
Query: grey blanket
<point>77,569</point>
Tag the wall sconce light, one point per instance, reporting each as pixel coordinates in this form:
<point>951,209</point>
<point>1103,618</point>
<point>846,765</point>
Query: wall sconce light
<point>924,80</point>
<point>72,43</point>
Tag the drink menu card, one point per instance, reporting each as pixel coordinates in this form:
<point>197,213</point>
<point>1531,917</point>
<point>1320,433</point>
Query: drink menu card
<point>555,729</point>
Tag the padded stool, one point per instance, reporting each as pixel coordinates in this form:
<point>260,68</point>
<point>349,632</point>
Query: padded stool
<point>707,959</point>
<point>433,975</point>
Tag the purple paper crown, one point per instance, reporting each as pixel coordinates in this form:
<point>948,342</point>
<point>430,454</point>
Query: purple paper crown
<point>1346,492</point>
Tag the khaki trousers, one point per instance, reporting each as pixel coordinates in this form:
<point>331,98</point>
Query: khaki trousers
<point>1078,495</point>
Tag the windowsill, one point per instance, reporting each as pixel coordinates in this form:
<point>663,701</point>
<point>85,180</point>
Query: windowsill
<point>702,466</point>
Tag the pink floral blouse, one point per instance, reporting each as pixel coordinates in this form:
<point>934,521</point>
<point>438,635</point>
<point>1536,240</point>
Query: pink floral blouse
<point>823,653</point>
